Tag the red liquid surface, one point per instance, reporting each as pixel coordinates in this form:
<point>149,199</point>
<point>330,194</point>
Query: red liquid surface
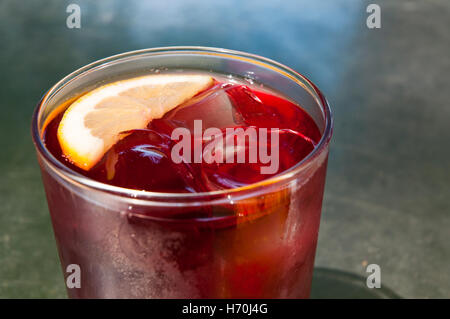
<point>264,247</point>
<point>142,159</point>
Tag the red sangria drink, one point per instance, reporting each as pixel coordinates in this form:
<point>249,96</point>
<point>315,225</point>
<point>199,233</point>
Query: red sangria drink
<point>184,173</point>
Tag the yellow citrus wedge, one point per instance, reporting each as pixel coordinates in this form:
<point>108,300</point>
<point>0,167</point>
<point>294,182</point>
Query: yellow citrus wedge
<point>93,123</point>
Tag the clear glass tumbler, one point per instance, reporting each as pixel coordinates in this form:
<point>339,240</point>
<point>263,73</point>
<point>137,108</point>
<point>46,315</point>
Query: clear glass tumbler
<point>138,244</point>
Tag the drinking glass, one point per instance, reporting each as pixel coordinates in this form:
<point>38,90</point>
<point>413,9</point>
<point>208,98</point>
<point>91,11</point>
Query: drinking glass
<point>258,241</point>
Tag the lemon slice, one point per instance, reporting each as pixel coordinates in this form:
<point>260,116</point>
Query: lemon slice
<point>93,123</point>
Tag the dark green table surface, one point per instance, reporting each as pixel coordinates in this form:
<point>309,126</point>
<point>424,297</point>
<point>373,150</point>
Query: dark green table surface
<point>388,186</point>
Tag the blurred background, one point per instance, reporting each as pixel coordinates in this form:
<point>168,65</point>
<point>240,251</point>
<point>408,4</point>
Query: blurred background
<point>388,185</point>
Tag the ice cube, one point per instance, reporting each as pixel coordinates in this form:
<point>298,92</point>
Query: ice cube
<point>213,107</point>
<point>249,162</point>
<point>142,161</point>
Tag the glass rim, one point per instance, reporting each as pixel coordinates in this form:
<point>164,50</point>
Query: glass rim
<point>283,178</point>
